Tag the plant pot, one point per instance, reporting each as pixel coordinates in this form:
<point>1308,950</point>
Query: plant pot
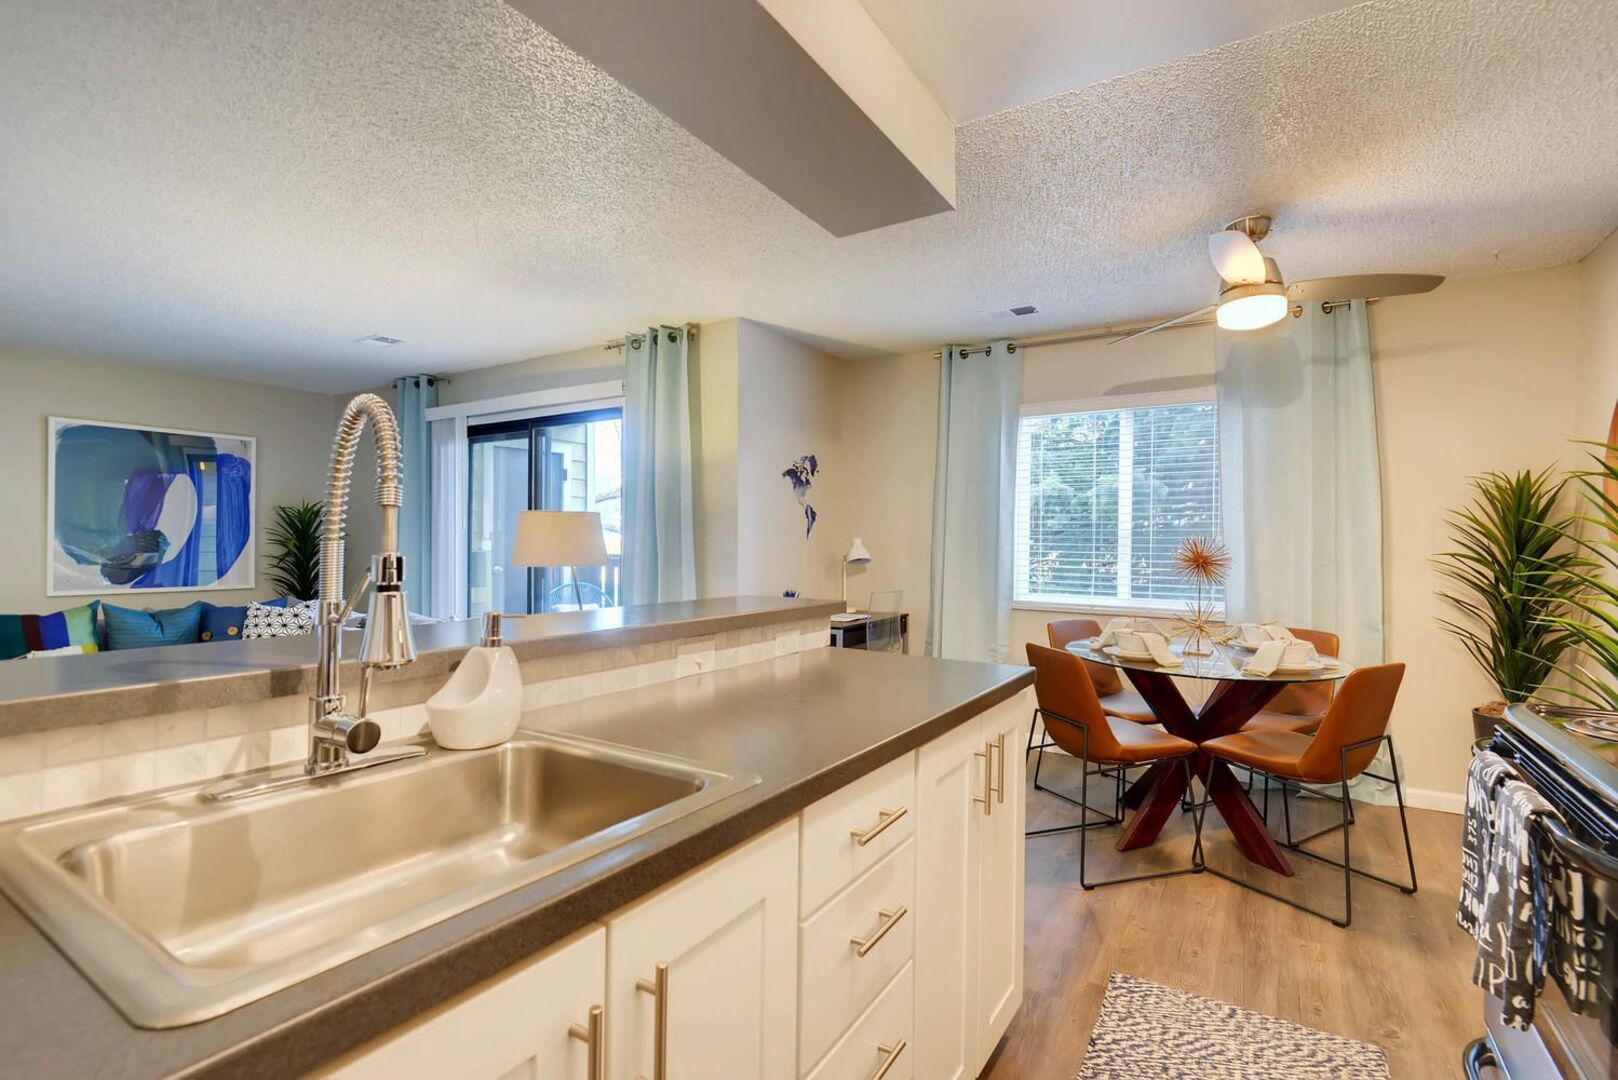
<point>1485,718</point>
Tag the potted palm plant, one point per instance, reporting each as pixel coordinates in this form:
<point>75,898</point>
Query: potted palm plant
<point>295,549</point>
<point>1515,577</point>
<point>1592,625</point>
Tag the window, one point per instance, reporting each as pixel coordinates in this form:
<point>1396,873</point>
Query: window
<point>1104,496</point>
<point>568,462</point>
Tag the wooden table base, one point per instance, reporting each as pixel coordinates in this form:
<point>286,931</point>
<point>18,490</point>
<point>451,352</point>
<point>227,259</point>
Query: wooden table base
<point>1158,792</point>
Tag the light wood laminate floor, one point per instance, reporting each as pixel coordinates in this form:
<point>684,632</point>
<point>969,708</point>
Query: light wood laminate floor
<point>1398,977</point>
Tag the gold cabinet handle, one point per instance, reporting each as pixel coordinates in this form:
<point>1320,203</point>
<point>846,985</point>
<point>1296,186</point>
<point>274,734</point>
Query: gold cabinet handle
<point>884,818</point>
<point>987,755</point>
<point>890,1054</point>
<point>659,989</point>
<point>984,798</point>
<point>595,1047</point>
<point>1000,784</point>
<point>890,919</point>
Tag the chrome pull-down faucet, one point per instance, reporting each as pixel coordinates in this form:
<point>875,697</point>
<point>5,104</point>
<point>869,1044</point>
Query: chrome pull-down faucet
<point>387,643</point>
<point>334,732</point>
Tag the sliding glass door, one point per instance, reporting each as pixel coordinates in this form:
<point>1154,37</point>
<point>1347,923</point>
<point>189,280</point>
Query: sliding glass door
<point>568,462</point>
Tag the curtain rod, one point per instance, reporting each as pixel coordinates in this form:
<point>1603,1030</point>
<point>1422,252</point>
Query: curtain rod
<point>1118,331</point>
<point>689,328</point>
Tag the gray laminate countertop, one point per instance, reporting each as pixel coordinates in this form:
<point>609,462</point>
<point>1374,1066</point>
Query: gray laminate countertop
<point>36,695</point>
<point>808,724</point>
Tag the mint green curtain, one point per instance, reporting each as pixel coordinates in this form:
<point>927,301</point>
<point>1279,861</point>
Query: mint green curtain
<point>659,554</point>
<point>413,396</point>
<point>973,491</point>
<point>1301,478</point>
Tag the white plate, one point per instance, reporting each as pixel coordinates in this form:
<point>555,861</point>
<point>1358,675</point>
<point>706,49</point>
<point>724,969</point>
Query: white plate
<point>1117,653</point>
<point>1300,669</point>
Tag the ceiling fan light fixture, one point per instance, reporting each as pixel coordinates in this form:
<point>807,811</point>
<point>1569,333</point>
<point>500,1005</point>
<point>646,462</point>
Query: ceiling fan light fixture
<point>1252,307</point>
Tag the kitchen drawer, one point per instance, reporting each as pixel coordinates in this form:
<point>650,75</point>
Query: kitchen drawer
<point>833,856</point>
<point>836,983</point>
<point>884,1033</point>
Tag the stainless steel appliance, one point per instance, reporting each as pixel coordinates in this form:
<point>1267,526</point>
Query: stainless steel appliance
<point>1579,776</point>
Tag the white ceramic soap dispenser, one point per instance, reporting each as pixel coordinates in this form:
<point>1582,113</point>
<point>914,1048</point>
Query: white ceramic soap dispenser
<point>482,702</point>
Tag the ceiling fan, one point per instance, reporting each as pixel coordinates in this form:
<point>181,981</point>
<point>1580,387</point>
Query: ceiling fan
<point>1254,295</point>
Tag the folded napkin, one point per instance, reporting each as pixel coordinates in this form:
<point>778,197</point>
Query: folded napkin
<point>1277,632</point>
<point>1109,633</point>
<point>1158,646</point>
<point>1266,658</point>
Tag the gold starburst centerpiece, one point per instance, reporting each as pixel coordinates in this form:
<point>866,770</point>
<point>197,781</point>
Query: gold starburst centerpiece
<point>1204,561</point>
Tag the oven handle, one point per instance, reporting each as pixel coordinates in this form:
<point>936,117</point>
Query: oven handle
<point>1586,858</point>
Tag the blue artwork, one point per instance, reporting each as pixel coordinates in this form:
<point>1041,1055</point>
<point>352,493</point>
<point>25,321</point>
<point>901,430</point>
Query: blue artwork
<point>801,474</point>
<point>143,508</point>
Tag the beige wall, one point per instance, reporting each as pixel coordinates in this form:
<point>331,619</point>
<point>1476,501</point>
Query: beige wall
<point>789,404</point>
<point>1464,383</point>
<point>714,444</point>
<point>293,431</point>
<point>594,363</point>
<point>1598,333</point>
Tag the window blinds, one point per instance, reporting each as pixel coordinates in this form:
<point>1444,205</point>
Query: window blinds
<point>1105,496</point>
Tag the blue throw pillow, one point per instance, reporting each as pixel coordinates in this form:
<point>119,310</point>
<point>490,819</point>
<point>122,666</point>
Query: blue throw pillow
<point>221,623</point>
<point>131,628</point>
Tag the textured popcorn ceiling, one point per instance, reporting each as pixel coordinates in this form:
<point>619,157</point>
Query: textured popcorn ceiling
<point>245,186</point>
<point>978,58</point>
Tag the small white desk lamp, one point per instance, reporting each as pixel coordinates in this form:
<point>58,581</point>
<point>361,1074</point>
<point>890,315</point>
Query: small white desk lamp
<point>859,557</point>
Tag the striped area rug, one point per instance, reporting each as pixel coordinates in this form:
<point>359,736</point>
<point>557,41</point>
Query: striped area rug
<point>1148,1030</point>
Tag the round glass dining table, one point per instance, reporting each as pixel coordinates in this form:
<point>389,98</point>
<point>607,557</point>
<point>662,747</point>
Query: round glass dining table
<point>1235,698</point>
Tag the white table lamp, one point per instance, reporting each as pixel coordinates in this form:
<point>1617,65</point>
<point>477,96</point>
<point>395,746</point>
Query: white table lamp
<point>570,538</point>
<point>859,557</point>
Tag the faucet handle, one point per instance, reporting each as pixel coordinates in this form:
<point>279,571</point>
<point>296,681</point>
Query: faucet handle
<point>491,630</point>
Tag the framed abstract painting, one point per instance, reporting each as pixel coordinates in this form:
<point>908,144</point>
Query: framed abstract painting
<point>130,507</point>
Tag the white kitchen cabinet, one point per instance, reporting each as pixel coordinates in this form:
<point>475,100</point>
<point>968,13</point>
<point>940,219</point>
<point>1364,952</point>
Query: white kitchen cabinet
<point>1000,878</point>
<point>702,976</point>
<point>533,1021</point>
<point>882,928</point>
<point>969,887</point>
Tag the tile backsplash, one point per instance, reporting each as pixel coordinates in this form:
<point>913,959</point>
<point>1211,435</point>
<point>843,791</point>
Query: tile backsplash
<point>51,770</point>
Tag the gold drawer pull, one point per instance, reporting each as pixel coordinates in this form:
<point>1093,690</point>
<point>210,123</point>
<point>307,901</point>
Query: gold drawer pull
<point>1000,786</point>
<point>884,818</point>
<point>595,1046</point>
<point>890,1055</point>
<point>890,919</point>
<point>986,753</point>
<point>660,1027</point>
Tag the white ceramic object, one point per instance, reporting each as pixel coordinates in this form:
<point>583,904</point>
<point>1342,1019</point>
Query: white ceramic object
<point>481,703</point>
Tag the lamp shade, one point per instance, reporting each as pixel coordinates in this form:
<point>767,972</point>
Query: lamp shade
<point>559,538</point>
<point>857,553</point>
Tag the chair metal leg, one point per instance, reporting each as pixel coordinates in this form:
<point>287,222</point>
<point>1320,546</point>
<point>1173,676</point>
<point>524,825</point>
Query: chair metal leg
<point>1194,868</point>
<point>1404,825</point>
<point>1346,806</point>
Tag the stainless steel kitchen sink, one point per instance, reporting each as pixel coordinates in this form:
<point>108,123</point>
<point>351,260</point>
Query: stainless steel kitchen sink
<point>179,908</point>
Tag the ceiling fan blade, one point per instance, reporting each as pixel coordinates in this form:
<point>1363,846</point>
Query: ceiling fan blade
<point>1164,325</point>
<point>1236,258</point>
<point>1363,286</point>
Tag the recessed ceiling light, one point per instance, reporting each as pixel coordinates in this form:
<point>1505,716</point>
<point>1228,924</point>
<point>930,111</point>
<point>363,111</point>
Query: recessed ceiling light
<point>380,340</point>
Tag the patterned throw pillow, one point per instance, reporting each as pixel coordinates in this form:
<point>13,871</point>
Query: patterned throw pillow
<point>23,634</point>
<point>264,621</point>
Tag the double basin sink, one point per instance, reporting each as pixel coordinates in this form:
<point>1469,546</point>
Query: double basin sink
<point>179,908</point>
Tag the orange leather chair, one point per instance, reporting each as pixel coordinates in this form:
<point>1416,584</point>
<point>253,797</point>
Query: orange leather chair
<point>1300,706</point>
<point>1343,747</point>
<point>1117,698</point>
<point>1075,722</point>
